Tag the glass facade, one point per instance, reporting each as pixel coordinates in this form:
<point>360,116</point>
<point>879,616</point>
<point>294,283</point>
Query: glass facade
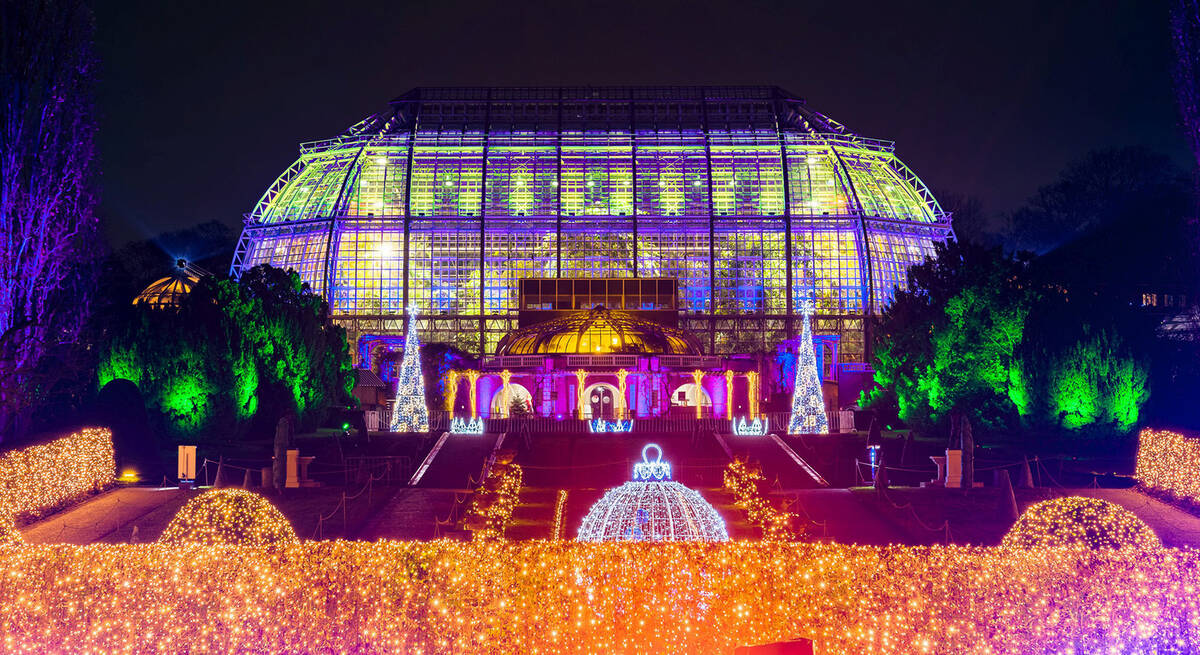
<point>744,195</point>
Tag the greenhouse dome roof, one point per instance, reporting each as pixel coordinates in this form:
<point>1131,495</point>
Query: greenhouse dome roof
<point>166,292</point>
<point>598,330</point>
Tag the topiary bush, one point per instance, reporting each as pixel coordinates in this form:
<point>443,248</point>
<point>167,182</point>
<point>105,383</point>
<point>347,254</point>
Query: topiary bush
<point>229,516</point>
<point>1075,520</point>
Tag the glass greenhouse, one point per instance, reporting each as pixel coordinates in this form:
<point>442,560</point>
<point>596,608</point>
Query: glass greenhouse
<point>744,195</point>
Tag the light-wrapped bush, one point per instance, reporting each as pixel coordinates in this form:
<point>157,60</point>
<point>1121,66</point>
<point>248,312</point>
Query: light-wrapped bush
<point>1075,520</point>
<point>229,516</point>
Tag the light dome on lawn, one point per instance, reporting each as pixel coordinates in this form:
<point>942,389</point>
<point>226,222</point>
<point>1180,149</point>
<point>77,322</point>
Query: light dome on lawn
<point>652,507</point>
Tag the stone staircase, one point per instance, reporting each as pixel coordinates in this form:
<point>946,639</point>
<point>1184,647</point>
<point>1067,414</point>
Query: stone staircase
<point>412,513</point>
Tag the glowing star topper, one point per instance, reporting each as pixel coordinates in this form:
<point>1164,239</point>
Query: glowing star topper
<point>648,471</point>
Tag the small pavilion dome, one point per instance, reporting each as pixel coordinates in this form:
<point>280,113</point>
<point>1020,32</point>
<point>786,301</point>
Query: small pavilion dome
<point>652,507</point>
<point>598,331</point>
<point>167,292</point>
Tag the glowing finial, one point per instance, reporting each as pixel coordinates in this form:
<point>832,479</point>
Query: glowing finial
<point>647,470</point>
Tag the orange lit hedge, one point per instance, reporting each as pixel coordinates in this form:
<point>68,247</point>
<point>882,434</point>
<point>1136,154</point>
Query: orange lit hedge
<point>564,597</point>
<point>41,478</point>
<point>8,530</point>
<point>1170,462</point>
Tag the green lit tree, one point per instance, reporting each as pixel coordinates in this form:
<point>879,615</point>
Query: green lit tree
<point>234,356</point>
<point>976,330</point>
<point>1082,364</point>
<point>949,339</point>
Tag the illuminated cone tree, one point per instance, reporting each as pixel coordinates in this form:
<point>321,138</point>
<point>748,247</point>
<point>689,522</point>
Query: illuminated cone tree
<point>409,412</point>
<point>808,404</point>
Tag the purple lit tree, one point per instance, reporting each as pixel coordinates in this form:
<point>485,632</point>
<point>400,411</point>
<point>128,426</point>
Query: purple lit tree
<point>47,197</point>
<point>1185,37</point>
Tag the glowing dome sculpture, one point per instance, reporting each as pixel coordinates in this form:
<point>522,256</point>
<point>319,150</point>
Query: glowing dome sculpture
<point>169,292</point>
<point>449,197</point>
<point>652,507</point>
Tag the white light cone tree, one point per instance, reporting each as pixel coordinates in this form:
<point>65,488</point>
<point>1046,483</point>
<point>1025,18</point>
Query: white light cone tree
<point>409,412</point>
<point>808,403</point>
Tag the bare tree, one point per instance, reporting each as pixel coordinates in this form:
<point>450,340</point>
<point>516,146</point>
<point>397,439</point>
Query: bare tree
<point>47,193</point>
<point>1185,36</point>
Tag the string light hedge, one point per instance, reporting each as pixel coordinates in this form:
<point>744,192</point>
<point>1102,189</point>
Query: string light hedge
<point>1169,462</point>
<point>1077,521</point>
<point>747,485</point>
<point>526,597</point>
<point>494,501</point>
<point>229,516</point>
<point>36,480</point>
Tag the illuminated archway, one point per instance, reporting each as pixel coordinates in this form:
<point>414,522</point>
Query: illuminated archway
<point>517,393</point>
<point>690,395</point>
<point>602,400</point>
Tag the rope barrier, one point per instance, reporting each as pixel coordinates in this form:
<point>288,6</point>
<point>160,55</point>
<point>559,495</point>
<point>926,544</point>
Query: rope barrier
<point>944,527</point>
<point>795,502</point>
<point>861,463</point>
<point>1043,468</point>
<point>319,531</point>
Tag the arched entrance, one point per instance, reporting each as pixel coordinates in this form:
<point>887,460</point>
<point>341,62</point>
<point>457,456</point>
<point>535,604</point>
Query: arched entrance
<point>602,400</point>
<point>518,395</point>
<point>690,395</point>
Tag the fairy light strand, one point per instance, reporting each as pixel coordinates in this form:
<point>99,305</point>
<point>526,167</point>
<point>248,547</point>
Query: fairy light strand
<point>493,503</point>
<point>747,485</point>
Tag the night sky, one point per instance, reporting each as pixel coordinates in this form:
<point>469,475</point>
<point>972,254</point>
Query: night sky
<point>203,104</point>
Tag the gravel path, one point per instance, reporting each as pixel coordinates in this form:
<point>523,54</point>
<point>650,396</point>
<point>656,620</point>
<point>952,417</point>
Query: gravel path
<point>111,517</point>
<point>1174,526</point>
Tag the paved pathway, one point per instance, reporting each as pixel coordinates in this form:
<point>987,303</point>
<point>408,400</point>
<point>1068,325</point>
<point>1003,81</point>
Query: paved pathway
<point>111,517</point>
<point>1174,526</point>
<point>846,518</point>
